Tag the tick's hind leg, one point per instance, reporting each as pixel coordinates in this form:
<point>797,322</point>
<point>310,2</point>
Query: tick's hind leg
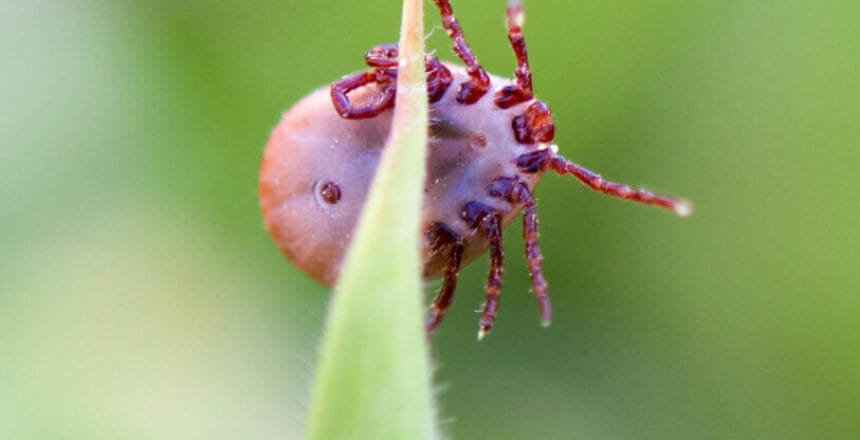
<point>521,90</point>
<point>438,76</point>
<point>479,81</point>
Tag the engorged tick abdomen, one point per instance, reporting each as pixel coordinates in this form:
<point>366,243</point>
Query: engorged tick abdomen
<point>317,169</point>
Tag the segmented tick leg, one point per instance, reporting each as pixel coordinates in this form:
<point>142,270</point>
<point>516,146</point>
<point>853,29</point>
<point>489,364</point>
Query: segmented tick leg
<point>383,62</point>
<point>479,215</point>
<point>492,225</point>
<point>438,78</point>
<point>533,254</point>
<point>349,110</point>
<point>479,80</point>
<point>446,293</point>
<point>681,207</point>
<point>521,91</point>
<point>382,56</point>
<point>516,191</point>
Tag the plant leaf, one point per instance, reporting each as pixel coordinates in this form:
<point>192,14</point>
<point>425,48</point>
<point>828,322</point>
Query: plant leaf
<point>373,377</point>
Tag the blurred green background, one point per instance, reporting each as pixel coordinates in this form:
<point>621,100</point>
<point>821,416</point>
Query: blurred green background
<point>141,298</point>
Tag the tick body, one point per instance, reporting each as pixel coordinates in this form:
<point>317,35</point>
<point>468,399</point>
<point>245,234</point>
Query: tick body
<point>490,142</point>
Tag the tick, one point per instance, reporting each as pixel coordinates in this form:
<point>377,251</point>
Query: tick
<point>490,142</point>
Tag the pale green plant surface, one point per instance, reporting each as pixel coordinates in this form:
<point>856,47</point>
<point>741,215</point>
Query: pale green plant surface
<point>373,378</point>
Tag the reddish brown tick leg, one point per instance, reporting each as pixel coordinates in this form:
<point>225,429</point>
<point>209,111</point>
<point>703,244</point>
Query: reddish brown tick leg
<point>521,91</point>
<point>493,228</point>
<point>515,191</point>
<point>479,215</point>
<point>681,207</point>
<point>473,90</point>
<point>438,78</point>
<point>441,238</point>
<point>383,62</point>
<point>446,293</point>
<point>348,110</point>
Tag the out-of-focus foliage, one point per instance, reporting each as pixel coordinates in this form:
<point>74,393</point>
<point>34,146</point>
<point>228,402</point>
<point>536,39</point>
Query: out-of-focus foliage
<point>141,298</point>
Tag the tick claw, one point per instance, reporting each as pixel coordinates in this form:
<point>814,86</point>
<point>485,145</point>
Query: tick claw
<point>684,208</point>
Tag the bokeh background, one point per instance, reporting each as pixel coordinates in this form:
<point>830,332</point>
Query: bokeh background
<point>141,298</point>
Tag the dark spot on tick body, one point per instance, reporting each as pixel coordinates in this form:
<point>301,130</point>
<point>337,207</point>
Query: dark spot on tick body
<point>329,192</point>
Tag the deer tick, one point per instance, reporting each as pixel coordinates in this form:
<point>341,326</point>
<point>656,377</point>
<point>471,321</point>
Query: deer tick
<point>490,142</point>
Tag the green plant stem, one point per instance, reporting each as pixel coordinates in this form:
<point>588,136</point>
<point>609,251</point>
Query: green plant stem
<point>373,378</point>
